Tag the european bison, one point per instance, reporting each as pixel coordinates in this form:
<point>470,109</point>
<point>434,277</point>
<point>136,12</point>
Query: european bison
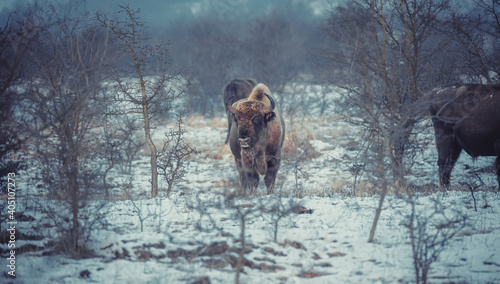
<point>256,138</point>
<point>237,89</point>
<point>465,116</point>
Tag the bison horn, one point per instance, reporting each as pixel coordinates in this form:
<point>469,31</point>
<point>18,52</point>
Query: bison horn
<point>230,108</point>
<point>272,102</point>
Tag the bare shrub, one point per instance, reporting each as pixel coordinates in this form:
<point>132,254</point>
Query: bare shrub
<point>172,159</point>
<point>430,235</point>
<point>297,150</point>
<point>136,203</point>
<point>62,94</point>
<point>147,84</point>
<point>242,209</point>
<point>472,186</point>
<point>278,210</point>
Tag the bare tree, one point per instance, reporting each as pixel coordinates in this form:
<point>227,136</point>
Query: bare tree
<point>15,39</point>
<point>67,60</point>
<point>270,48</point>
<point>389,52</point>
<point>476,32</point>
<point>14,42</point>
<point>211,48</point>
<point>147,83</point>
<point>274,44</point>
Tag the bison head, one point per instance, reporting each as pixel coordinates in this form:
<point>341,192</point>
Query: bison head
<point>251,118</point>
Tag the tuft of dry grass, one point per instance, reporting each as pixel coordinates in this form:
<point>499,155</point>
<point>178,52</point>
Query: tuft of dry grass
<point>197,121</point>
<point>310,274</point>
<point>298,144</point>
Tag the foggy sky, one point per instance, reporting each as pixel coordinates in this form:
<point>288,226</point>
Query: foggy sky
<point>166,12</point>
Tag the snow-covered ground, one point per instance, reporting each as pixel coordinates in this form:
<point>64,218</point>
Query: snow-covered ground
<point>199,238</point>
<point>321,237</point>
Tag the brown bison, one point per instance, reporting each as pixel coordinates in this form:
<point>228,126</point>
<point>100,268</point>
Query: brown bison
<point>236,89</point>
<point>256,138</point>
<point>465,117</point>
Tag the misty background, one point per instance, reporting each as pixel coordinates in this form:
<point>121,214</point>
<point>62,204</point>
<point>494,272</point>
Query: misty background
<point>273,42</point>
<point>162,14</point>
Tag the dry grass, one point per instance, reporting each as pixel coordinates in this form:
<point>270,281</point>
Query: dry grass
<point>298,144</point>
<point>198,121</point>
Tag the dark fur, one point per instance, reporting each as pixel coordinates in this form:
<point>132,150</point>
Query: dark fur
<point>238,89</point>
<point>262,130</point>
<point>465,116</point>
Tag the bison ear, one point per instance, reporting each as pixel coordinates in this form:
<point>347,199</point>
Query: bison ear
<point>269,116</point>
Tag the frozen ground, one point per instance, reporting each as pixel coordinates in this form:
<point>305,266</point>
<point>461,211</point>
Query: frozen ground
<point>322,237</point>
<point>327,246</point>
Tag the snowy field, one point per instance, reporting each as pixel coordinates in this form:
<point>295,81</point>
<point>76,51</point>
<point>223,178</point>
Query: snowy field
<point>328,245</point>
<point>194,236</point>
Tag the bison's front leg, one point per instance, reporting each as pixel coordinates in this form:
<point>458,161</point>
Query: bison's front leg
<point>273,166</point>
<point>241,174</point>
<point>248,177</point>
<point>448,151</point>
<point>250,180</point>
<point>260,163</point>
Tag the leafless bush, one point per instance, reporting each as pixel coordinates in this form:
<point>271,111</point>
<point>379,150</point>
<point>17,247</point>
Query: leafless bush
<point>242,212</point>
<point>172,159</point>
<point>242,209</point>
<point>62,98</point>
<point>384,67</point>
<point>126,131</point>
<point>356,170</point>
<point>136,203</point>
<point>278,210</point>
<point>473,185</point>
<point>297,150</point>
<point>118,147</point>
<point>430,235</point>
<point>112,155</point>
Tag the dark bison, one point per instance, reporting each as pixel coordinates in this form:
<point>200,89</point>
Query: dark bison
<point>465,116</point>
<point>236,89</point>
<point>256,138</point>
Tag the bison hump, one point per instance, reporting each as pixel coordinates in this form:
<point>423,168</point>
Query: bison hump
<point>259,94</point>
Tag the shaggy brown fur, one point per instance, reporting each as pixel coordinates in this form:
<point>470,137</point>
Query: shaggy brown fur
<point>259,94</point>
<point>257,138</point>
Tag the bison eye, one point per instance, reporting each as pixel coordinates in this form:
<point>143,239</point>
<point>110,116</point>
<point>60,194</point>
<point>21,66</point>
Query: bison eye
<point>258,120</point>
